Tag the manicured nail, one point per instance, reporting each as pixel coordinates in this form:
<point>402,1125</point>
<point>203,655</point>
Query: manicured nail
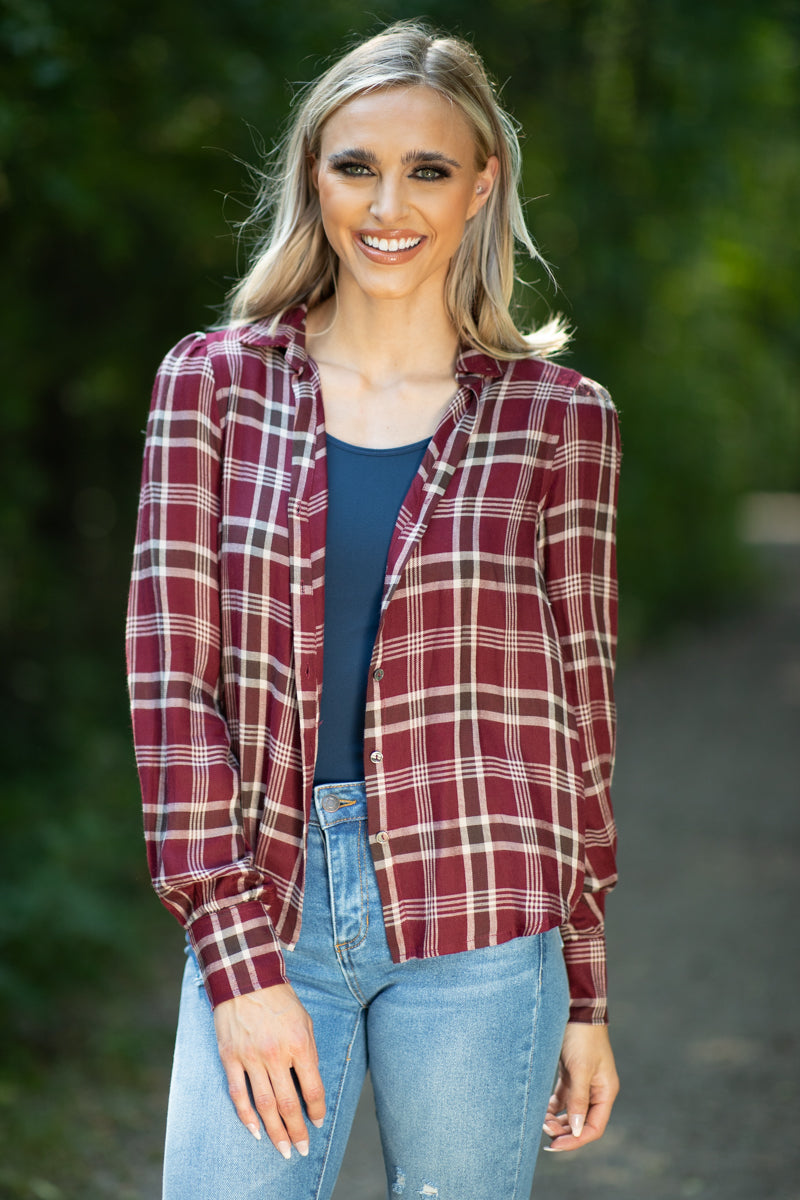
<point>285,1149</point>
<point>256,1132</point>
<point>318,1124</point>
<point>552,1149</point>
<point>302,1148</point>
<point>576,1124</point>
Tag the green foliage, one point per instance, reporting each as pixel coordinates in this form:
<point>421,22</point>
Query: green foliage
<point>661,141</point>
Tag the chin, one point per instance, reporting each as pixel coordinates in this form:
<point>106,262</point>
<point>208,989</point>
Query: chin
<point>390,288</point>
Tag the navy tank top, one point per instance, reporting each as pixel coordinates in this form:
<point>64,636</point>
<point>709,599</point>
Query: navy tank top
<point>366,489</point>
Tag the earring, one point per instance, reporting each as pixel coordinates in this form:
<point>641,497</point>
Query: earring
<point>479,189</point>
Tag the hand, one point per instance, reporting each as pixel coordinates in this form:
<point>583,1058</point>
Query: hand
<point>263,1036</point>
<point>587,1086</point>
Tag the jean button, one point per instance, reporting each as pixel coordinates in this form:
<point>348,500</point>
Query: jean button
<point>376,756</point>
<point>330,803</point>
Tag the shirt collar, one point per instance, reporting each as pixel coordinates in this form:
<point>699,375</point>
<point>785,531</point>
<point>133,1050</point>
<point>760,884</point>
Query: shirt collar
<point>286,332</point>
<point>474,368</point>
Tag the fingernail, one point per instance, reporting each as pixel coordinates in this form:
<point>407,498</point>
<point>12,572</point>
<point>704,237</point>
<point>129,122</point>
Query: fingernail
<point>551,1149</point>
<point>285,1149</point>
<point>576,1124</point>
<point>256,1132</point>
<point>318,1124</point>
<point>302,1148</point>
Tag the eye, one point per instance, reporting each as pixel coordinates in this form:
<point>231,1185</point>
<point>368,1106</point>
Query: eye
<point>353,170</point>
<point>431,174</point>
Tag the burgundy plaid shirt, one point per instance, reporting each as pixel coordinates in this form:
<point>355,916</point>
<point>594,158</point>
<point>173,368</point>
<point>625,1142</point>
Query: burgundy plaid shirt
<point>489,718</point>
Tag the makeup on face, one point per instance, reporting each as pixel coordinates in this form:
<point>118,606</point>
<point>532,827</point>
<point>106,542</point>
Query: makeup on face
<point>397,183</point>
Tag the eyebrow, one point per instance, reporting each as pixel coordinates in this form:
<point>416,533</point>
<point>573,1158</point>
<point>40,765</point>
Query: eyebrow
<point>362,154</point>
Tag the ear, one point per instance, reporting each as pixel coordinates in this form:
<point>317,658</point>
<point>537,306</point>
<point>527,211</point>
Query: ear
<point>484,182</point>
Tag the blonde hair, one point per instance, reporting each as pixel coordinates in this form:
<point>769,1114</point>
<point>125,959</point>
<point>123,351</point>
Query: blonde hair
<point>294,262</point>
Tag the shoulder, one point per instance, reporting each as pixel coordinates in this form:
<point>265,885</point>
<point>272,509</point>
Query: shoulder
<point>230,356</point>
<point>188,355</point>
<point>570,413</point>
<point>590,392</point>
<point>541,375</point>
<point>548,397</point>
<point>590,422</point>
<point>233,371</point>
<point>184,379</point>
<point>272,342</point>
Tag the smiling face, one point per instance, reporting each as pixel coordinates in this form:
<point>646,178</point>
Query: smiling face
<point>397,182</point>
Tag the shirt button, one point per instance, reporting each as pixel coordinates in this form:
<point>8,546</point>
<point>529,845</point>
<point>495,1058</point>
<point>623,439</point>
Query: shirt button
<point>377,675</point>
<point>376,756</point>
<point>382,837</point>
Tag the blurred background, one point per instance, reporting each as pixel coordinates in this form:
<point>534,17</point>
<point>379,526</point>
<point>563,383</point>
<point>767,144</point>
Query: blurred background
<point>662,163</point>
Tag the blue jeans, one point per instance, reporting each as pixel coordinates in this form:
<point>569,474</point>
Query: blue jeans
<point>462,1049</point>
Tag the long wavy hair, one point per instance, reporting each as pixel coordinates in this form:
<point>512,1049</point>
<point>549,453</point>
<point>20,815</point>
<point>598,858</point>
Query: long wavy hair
<point>294,263</point>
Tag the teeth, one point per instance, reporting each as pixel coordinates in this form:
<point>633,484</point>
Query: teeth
<point>390,243</point>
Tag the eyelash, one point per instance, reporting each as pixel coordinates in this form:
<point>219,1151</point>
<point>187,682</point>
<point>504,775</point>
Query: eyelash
<point>358,170</point>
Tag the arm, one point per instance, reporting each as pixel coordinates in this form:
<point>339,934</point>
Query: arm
<point>201,865</point>
<point>579,562</point>
<point>580,572</point>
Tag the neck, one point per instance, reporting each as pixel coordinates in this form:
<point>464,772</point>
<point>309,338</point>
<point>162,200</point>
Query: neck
<point>386,341</point>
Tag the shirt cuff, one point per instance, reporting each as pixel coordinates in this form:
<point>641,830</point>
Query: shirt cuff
<point>237,950</point>
<point>585,957</point>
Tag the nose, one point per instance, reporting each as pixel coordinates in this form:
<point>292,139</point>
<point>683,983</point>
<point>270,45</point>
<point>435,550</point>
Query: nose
<point>389,201</point>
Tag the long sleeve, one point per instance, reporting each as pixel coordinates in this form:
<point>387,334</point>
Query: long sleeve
<point>201,862</point>
<point>580,572</point>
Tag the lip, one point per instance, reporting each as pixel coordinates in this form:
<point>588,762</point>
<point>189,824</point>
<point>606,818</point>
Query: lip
<point>389,257</point>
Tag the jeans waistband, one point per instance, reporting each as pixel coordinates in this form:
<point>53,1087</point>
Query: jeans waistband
<point>337,802</point>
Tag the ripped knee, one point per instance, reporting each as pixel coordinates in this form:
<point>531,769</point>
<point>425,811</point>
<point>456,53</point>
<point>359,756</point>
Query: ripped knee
<point>427,1191</point>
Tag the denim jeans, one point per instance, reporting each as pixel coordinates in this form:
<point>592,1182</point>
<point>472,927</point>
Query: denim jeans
<point>462,1049</point>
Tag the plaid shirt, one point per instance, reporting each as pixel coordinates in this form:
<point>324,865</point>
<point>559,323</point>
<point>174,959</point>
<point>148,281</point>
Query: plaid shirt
<point>489,723</point>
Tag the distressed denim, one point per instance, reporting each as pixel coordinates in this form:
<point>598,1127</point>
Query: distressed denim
<point>462,1049</point>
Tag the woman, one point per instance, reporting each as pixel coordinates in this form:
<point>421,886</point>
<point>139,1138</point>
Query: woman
<point>370,639</point>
